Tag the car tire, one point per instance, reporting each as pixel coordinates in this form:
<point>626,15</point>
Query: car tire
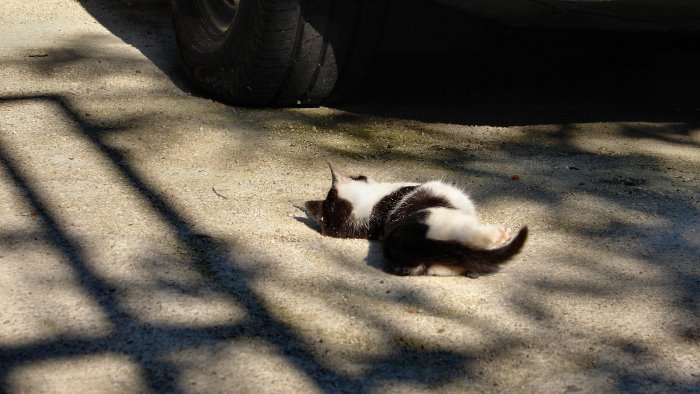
<point>277,53</point>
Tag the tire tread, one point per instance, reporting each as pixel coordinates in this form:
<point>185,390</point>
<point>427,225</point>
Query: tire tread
<point>290,52</point>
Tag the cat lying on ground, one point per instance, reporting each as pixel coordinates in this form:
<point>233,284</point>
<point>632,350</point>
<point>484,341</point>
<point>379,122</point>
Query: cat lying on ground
<point>427,229</point>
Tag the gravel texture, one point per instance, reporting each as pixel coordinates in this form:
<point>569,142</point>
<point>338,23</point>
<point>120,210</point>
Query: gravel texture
<point>152,240</point>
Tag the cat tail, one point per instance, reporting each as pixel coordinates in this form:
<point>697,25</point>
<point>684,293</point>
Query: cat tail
<point>409,252</point>
<point>464,260</point>
<point>504,253</point>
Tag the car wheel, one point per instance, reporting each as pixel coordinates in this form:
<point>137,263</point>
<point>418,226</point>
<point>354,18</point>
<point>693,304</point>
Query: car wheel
<point>277,52</point>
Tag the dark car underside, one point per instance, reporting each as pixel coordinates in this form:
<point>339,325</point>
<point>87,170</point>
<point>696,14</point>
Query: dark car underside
<point>634,15</point>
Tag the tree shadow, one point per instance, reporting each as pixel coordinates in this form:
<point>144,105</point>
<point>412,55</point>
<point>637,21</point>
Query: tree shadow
<point>553,178</point>
<point>606,178</point>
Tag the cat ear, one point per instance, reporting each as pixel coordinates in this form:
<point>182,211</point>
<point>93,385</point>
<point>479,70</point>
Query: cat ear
<point>338,178</point>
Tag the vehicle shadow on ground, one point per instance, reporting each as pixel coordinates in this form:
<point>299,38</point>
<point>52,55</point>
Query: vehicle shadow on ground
<point>504,77</point>
<point>539,77</point>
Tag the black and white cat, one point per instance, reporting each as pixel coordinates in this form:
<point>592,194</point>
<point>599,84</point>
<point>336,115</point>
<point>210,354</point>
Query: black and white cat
<point>427,229</point>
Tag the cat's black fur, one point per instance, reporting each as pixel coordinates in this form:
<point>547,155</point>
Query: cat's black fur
<point>407,218</point>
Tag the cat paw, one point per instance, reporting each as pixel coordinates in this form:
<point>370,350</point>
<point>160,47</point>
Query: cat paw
<point>502,236</point>
<point>493,236</point>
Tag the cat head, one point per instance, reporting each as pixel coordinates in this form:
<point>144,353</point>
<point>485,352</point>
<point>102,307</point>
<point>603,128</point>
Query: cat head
<point>334,214</point>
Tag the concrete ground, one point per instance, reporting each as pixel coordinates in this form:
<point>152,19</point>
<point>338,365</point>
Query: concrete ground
<point>152,240</point>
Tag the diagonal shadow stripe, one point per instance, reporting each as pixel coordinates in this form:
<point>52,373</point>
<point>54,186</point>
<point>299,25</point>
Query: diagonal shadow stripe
<point>209,258</point>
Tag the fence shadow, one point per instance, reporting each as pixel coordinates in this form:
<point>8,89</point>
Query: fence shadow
<point>148,344</point>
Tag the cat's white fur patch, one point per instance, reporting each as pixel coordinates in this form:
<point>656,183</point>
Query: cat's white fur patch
<point>417,270</point>
<point>446,224</point>
<point>363,196</point>
<point>454,195</point>
<point>445,270</point>
<point>438,270</point>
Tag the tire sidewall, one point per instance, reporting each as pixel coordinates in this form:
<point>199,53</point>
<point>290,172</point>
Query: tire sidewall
<point>197,45</point>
